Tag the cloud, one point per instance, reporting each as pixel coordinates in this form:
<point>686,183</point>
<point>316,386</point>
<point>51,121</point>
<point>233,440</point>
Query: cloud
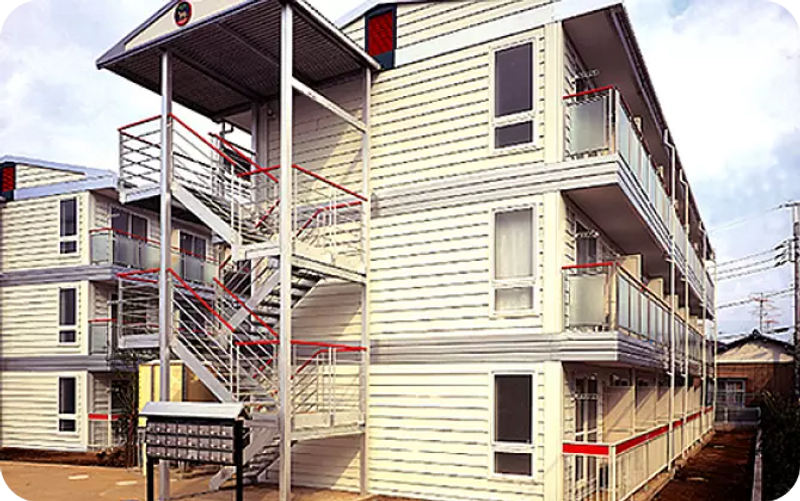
<point>727,75</point>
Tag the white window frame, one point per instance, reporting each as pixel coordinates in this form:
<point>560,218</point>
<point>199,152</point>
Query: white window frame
<point>66,417</point>
<point>70,238</point>
<point>494,283</point>
<point>517,118</point>
<point>507,447</point>
<point>74,327</point>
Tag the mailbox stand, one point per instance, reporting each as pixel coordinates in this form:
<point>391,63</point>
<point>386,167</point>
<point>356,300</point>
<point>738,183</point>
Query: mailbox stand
<point>195,432</point>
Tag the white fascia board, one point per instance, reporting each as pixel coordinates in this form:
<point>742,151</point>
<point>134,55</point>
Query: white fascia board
<point>34,162</point>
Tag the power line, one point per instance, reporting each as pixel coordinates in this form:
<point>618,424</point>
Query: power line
<point>737,222</point>
<point>751,299</point>
<point>781,246</point>
<point>747,273</point>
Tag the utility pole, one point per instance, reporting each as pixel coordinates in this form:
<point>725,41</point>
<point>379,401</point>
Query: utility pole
<point>795,251</point>
<point>795,248</point>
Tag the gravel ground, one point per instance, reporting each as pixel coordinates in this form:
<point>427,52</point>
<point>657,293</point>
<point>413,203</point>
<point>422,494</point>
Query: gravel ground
<point>721,471</point>
<point>48,482</point>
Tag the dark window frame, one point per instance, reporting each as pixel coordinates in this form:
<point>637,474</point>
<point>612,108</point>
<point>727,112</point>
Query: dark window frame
<point>387,58</point>
<point>68,230</point>
<point>513,127</point>
<point>67,411</point>
<point>507,448</point>
<point>68,318</point>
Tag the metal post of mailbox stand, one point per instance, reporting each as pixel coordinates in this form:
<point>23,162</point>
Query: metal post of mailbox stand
<point>150,479</point>
<point>238,457</point>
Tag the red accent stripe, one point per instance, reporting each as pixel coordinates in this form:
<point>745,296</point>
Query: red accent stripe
<point>104,417</point>
<point>588,265</point>
<point>586,449</point>
<point>644,437</point>
<point>244,156</point>
<point>140,122</point>
<point>201,138</point>
<point>101,320</point>
<point>202,301</point>
<point>247,308</point>
<point>588,92</point>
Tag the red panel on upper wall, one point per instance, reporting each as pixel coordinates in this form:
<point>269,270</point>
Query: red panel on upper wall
<point>381,34</point>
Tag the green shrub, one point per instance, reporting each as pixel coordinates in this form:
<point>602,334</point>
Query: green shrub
<point>780,444</point>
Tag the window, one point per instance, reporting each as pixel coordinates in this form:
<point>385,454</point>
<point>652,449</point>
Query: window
<point>731,393</point>
<point>67,316</point>
<point>513,425</point>
<point>513,266</point>
<point>130,239</point>
<point>67,404</point>
<point>69,226</point>
<point>513,117</point>
<point>193,256</point>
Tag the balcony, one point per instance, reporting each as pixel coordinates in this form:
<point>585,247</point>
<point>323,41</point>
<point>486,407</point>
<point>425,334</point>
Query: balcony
<point>628,188</point>
<point>605,298</point>
<point>112,247</point>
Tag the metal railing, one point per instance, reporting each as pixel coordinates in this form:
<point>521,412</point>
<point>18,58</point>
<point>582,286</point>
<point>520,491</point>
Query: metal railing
<point>615,471</point>
<point>605,296</point>
<point>326,379</point>
<point>103,433</point>
<point>119,248</point>
<point>600,123</point>
<point>326,213</point>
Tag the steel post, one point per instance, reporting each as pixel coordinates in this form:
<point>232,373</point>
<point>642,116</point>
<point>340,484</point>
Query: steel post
<point>365,290</point>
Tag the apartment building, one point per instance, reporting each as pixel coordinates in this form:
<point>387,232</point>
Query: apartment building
<point>458,257</point>
<point>65,237</point>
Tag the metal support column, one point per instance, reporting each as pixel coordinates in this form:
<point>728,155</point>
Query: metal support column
<point>687,330</point>
<point>286,244</point>
<point>365,291</point>
<point>671,441</point>
<point>164,282</point>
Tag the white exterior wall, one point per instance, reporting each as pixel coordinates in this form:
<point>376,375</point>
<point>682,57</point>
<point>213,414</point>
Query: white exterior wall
<point>29,321</point>
<point>30,177</point>
<point>29,411</point>
<point>31,234</point>
<point>429,423</point>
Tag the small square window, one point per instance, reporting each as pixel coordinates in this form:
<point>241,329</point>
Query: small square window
<point>513,135</point>
<point>511,463</point>
<point>69,247</point>
<point>67,425</point>
<point>67,337</point>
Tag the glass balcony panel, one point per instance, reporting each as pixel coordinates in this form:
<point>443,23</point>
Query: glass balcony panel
<point>589,125</point>
<point>100,243</point>
<point>98,338</point>
<point>623,303</point>
<point>624,133</point>
<point>587,300</point>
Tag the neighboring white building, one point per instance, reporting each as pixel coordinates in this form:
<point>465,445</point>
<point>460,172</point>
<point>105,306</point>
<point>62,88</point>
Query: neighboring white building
<point>464,253</point>
<point>64,239</point>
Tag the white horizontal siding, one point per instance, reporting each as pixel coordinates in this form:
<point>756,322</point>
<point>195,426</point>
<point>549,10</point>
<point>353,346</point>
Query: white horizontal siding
<point>430,432</point>
<point>31,234</point>
<point>29,411</point>
<point>29,322</point>
<point>31,177</point>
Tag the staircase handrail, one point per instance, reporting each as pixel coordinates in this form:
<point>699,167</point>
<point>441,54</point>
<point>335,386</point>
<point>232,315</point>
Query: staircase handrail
<point>241,154</point>
<point>246,308</point>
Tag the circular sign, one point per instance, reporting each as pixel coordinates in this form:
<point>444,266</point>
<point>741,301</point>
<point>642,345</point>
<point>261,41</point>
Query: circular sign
<point>183,13</point>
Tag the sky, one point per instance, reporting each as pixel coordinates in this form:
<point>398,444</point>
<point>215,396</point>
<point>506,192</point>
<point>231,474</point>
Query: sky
<point>727,73</point>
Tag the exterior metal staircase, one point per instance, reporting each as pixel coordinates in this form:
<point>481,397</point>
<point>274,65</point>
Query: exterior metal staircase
<point>225,330</point>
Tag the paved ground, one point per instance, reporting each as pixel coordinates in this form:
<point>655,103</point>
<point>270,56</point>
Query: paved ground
<point>46,482</point>
<point>721,471</point>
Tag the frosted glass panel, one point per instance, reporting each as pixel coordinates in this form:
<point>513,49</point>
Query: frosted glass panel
<point>624,132</point>
<point>514,299</point>
<point>587,300</point>
<point>513,244</point>
<point>623,300</point>
<point>588,126</point>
